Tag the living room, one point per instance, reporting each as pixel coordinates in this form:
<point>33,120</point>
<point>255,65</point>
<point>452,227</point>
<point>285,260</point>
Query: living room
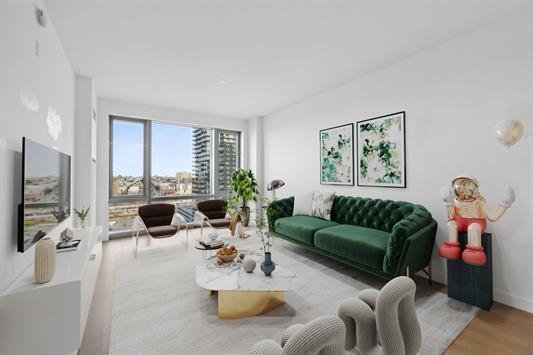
<point>109,84</point>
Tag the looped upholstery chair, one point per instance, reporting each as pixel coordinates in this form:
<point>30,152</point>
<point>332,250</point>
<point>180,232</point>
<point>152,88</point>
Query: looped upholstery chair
<point>159,220</point>
<point>323,335</point>
<point>388,315</point>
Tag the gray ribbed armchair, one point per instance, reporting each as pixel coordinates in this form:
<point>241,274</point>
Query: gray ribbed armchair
<point>323,335</point>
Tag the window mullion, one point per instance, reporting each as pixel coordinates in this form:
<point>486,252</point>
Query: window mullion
<point>148,160</point>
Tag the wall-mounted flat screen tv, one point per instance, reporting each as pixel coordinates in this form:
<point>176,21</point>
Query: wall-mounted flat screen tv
<point>45,192</point>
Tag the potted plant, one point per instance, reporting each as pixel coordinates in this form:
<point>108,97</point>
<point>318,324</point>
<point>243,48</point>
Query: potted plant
<point>243,188</point>
<point>267,266</point>
<point>82,216</point>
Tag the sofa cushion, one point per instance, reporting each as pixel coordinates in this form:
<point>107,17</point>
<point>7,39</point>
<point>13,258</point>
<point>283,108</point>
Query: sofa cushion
<point>365,245</point>
<point>162,231</point>
<point>301,228</point>
<point>321,204</point>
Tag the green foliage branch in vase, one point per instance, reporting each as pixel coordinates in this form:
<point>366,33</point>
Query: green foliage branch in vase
<point>82,215</point>
<point>243,189</point>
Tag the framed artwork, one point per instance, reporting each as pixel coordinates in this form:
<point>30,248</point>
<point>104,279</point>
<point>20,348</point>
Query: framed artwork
<point>336,155</point>
<point>381,151</point>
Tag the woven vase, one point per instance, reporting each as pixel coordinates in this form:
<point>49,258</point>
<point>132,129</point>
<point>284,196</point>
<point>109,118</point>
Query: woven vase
<point>45,260</point>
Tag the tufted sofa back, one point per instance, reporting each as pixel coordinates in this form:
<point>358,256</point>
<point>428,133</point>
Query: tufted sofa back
<point>373,213</point>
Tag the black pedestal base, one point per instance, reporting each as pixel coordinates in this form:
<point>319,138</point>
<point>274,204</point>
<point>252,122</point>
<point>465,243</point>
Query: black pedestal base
<point>472,284</point>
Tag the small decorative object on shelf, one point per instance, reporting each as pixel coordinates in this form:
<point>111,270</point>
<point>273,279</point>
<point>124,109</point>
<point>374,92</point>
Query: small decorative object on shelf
<point>68,246</point>
<point>45,260</point>
<point>66,235</point>
<point>267,266</point>
<point>82,216</point>
<point>249,265</point>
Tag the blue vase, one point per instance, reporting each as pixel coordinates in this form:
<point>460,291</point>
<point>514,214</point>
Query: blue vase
<point>267,266</point>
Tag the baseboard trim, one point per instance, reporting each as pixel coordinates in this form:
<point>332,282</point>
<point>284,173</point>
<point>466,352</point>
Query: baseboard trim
<point>513,301</point>
<point>499,296</point>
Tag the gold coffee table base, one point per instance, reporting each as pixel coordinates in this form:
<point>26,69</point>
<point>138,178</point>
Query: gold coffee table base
<point>241,304</point>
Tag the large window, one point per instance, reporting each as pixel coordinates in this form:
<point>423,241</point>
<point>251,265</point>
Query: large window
<point>127,152</point>
<point>155,161</point>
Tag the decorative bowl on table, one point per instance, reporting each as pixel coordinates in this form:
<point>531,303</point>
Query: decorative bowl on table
<point>227,253</point>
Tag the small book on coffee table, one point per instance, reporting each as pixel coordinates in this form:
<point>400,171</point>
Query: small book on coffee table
<point>212,243</point>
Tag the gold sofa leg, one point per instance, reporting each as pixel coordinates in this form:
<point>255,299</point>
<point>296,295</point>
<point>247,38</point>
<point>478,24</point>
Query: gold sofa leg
<point>407,271</point>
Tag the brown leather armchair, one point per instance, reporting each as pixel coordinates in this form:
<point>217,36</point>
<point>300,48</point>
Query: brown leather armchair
<point>159,220</point>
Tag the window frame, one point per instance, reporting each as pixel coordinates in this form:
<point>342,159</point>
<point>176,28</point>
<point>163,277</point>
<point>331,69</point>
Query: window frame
<point>147,197</point>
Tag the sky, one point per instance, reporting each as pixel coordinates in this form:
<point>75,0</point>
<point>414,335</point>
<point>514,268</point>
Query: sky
<point>171,148</point>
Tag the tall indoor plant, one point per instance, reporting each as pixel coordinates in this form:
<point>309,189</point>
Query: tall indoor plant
<point>243,189</point>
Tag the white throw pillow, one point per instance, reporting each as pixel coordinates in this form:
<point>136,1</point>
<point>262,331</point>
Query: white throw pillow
<point>322,204</point>
<point>302,204</point>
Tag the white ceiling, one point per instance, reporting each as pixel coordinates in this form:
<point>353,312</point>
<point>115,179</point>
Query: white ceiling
<point>272,54</point>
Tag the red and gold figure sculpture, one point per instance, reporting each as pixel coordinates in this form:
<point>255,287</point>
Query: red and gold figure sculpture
<point>467,212</point>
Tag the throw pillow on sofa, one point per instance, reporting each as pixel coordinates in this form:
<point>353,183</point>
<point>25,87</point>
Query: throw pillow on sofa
<point>322,204</point>
<point>302,204</point>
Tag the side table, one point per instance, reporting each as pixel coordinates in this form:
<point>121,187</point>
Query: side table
<point>472,284</point>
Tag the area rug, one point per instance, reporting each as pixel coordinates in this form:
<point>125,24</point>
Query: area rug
<point>159,309</point>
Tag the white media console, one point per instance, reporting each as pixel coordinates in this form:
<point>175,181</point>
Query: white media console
<point>50,318</point>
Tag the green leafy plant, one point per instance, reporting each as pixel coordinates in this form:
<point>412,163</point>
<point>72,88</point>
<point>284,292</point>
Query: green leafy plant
<point>243,187</point>
<point>261,224</point>
<point>60,215</point>
<point>82,215</point>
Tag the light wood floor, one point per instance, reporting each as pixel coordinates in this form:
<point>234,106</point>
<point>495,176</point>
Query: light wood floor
<point>503,330</point>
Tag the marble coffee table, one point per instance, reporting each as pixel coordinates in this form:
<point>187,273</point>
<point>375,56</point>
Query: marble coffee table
<point>242,294</point>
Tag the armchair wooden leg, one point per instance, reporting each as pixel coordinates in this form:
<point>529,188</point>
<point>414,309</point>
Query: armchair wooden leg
<point>407,271</point>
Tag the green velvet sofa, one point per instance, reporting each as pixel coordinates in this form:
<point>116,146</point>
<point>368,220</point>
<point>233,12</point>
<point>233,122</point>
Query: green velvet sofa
<point>385,238</point>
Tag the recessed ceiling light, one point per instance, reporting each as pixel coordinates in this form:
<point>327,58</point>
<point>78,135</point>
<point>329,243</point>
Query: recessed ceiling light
<point>222,81</point>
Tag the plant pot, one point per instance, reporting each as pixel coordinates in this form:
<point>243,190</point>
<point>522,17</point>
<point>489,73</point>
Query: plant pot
<point>245,215</point>
<point>267,266</point>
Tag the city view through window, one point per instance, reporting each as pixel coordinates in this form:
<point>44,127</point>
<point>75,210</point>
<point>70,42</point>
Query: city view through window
<point>171,164</point>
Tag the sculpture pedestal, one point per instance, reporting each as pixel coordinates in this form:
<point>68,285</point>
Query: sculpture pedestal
<point>472,284</point>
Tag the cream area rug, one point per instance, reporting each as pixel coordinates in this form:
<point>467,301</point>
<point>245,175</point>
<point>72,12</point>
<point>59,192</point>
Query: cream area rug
<point>159,309</point>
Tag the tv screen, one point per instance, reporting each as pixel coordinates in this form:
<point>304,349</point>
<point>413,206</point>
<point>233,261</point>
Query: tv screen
<point>45,192</point>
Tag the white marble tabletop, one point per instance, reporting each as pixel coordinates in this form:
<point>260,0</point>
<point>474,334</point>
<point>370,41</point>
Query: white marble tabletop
<point>232,277</point>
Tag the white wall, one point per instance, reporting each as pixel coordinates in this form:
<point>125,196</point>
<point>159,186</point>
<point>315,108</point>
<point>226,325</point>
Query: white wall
<point>453,95</point>
<point>255,150</point>
<point>30,84</point>
<point>107,107</point>
<point>83,173</point>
